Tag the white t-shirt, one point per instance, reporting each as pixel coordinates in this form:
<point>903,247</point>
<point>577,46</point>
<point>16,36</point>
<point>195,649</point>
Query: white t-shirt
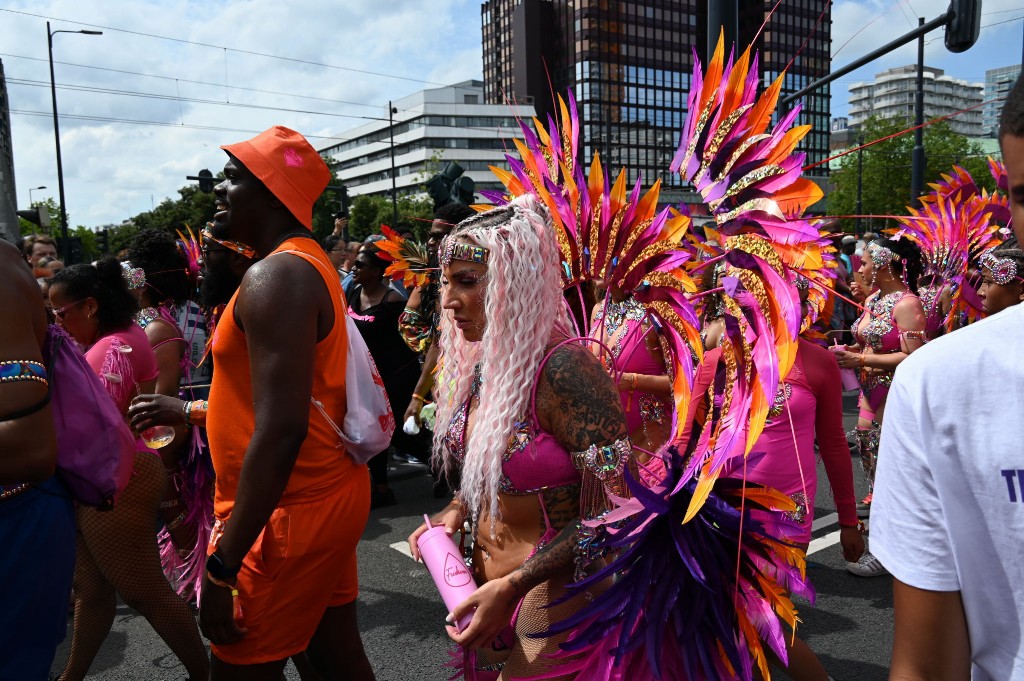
<point>948,510</point>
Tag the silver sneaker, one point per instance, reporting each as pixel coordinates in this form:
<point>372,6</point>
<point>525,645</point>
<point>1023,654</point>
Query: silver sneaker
<point>867,566</point>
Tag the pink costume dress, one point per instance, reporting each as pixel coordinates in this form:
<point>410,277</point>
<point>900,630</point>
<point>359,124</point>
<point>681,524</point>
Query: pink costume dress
<point>808,406</point>
<point>122,360</point>
<point>620,326</point>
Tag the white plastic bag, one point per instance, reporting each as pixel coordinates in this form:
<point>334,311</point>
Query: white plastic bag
<point>369,421</point>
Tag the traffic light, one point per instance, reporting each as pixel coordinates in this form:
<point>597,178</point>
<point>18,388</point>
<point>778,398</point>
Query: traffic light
<point>345,202</point>
<point>205,181</point>
<point>103,241</point>
<point>964,24</point>
<point>38,215</point>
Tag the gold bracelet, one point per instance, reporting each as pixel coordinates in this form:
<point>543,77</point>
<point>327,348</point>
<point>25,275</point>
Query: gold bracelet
<point>862,359</point>
<point>419,398</point>
<point>634,382</point>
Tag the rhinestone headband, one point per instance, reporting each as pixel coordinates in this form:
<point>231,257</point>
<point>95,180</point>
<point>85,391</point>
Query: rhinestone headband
<point>134,277</point>
<point>1004,270</point>
<point>460,250</point>
<point>880,254</point>
<point>246,251</point>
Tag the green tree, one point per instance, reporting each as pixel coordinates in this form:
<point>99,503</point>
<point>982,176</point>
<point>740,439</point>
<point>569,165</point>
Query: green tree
<point>886,174</point>
<point>368,213</point>
<point>193,208</point>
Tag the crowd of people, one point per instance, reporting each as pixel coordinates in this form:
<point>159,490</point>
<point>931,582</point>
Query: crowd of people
<point>627,415</point>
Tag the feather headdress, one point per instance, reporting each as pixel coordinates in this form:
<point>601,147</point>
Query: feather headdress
<point>409,259</point>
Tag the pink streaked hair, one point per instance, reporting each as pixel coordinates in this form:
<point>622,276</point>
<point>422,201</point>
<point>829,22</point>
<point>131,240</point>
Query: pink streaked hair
<point>524,311</point>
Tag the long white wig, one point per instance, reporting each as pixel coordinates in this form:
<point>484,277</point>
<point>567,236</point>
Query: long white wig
<point>524,310</point>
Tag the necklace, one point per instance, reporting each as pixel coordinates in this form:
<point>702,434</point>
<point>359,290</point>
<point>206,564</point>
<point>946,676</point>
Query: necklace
<point>614,315</point>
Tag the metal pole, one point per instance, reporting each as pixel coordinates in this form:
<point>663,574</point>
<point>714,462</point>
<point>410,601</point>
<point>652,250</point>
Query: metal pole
<point>65,245</point>
<point>860,186</point>
<point>866,59</point>
<point>917,172</point>
<point>394,174</point>
<point>723,17</point>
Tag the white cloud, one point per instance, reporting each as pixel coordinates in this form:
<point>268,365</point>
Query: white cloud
<point>114,170</point>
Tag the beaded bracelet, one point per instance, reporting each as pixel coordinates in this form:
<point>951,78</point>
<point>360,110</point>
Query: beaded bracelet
<point>186,413</point>
<point>22,370</point>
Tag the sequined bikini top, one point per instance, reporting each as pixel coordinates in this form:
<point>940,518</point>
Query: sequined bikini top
<point>533,460</point>
<point>880,330</point>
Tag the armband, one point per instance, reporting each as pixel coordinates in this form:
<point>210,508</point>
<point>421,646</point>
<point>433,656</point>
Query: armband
<point>22,370</point>
<point>606,461</point>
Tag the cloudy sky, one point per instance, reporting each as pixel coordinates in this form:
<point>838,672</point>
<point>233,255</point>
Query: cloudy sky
<point>152,99</point>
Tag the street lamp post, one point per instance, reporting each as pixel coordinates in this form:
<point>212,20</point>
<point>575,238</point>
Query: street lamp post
<point>33,189</point>
<point>65,245</point>
<point>394,174</point>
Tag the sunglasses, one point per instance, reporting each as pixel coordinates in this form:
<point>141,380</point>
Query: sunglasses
<point>59,312</point>
<point>240,248</point>
<point>359,264</point>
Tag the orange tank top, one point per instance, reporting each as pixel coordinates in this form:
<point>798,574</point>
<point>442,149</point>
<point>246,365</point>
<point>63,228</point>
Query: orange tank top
<point>322,467</point>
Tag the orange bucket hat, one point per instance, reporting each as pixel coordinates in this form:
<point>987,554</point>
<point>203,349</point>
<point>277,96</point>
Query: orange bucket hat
<point>288,166</point>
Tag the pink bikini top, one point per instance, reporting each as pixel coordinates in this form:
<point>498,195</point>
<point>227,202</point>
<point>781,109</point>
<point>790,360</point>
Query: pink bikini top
<point>533,461</point>
<point>880,330</point>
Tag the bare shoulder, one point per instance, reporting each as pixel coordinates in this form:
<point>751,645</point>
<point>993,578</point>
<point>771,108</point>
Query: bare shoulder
<point>22,301</point>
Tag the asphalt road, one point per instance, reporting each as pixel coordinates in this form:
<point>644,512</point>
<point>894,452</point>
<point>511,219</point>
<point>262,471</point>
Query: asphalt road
<point>401,615</point>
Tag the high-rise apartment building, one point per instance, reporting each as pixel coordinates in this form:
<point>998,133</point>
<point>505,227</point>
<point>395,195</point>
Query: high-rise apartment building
<point>432,127</point>
<point>629,65</point>
<point>998,83</point>
<point>892,93</point>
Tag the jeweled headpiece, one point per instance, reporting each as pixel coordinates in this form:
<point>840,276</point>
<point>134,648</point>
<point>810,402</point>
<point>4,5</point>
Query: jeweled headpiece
<point>880,254</point>
<point>134,277</point>
<point>460,250</point>
<point>1004,270</point>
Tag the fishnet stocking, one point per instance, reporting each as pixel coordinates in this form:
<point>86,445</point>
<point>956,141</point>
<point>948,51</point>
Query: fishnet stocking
<point>531,656</point>
<point>117,554</point>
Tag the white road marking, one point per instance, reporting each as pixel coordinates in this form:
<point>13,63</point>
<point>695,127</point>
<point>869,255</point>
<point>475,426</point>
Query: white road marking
<point>402,547</point>
<point>822,543</point>
<point>825,521</point>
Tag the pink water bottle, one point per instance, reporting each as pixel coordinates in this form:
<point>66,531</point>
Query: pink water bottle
<point>444,562</point>
<point>848,376</point>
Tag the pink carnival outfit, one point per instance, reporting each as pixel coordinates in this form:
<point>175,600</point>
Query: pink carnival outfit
<point>192,477</point>
<point>808,407</point>
<point>622,328</point>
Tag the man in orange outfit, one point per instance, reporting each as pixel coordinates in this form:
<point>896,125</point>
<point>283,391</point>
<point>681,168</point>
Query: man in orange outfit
<point>290,505</point>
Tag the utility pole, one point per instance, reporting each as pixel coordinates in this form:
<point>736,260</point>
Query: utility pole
<point>860,184</point>
<point>917,172</point>
<point>723,17</point>
<point>394,174</point>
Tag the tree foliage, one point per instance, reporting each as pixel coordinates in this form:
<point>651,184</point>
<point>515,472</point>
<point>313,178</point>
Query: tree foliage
<point>886,175</point>
<point>368,213</point>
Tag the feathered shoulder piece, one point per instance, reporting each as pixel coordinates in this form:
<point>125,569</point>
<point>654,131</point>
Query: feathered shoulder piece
<point>955,224</point>
<point>409,259</point>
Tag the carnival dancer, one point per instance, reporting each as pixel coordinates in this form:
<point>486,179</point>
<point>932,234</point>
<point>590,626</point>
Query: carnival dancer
<point>689,597</point>
<point>117,550</point>
<point>524,416</point>
<point>1002,269</point>
<point>621,326</point>
<point>158,275</point>
<point>290,504</point>
<point>891,327</point>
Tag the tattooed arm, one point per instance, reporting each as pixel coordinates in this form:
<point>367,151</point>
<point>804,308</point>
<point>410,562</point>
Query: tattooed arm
<point>578,404</point>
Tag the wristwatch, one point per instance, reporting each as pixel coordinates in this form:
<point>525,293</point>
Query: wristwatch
<point>218,570</point>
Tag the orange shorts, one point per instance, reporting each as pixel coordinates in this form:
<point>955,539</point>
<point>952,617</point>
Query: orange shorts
<point>302,563</point>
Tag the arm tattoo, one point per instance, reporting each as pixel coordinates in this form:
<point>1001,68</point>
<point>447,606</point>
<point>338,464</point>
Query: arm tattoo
<point>579,400</point>
<point>554,559</point>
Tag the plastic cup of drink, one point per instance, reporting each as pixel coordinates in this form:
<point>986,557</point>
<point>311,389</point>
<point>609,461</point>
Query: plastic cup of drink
<point>157,436</point>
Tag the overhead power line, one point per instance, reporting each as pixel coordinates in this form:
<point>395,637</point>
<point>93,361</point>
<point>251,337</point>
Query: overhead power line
<point>223,47</point>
